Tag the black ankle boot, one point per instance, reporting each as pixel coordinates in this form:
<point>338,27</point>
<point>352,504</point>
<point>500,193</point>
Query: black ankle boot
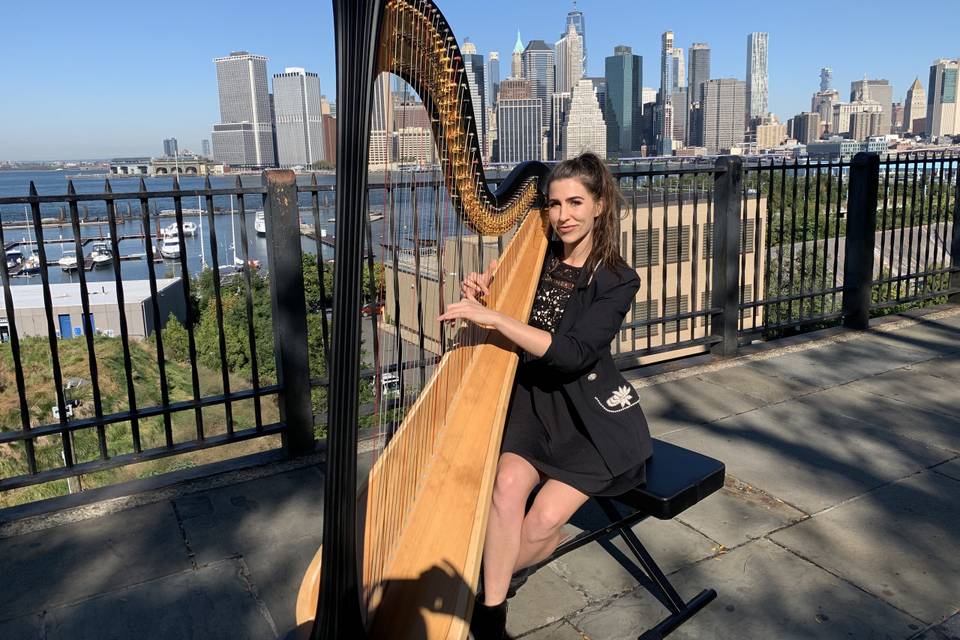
<point>489,623</point>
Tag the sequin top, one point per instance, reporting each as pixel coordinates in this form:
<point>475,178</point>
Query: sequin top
<point>556,285</point>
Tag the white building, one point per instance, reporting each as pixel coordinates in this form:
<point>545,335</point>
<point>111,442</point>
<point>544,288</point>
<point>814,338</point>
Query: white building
<point>584,129</point>
<point>943,116</point>
<point>244,135</point>
<point>569,59</point>
<point>756,75</point>
<point>299,120</point>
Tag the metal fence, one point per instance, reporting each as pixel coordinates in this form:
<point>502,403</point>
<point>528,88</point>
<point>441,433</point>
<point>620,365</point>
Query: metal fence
<point>727,253</point>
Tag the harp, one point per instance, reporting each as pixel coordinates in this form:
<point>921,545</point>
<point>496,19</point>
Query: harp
<point>401,558</point>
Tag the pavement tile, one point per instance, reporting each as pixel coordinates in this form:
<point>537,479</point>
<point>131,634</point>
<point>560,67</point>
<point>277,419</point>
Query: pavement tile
<point>211,602</point>
<point>806,455</point>
<point>923,391</point>
<point>763,591</point>
<point>932,336</point>
<point>898,542</point>
<point>951,468</point>
<point>739,513</point>
<point>240,518</point>
<point>946,367</point>
<point>277,571</point>
<point>949,629</point>
<point>749,380</point>
<point>544,599</point>
<point>67,563</point>
<point>892,415</point>
<point>601,570</point>
<point>693,401</point>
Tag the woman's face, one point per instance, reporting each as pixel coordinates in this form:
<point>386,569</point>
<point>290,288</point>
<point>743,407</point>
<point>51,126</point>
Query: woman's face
<point>573,211</point>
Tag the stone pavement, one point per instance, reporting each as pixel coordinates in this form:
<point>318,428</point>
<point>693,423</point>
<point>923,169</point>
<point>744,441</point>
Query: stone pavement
<point>840,519</point>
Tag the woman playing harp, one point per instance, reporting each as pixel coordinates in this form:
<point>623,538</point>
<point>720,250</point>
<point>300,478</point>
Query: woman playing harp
<point>574,427</point>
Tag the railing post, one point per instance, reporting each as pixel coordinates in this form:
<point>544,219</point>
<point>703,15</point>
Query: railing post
<point>955,242</point>
<point>860,240</point>
<point>725,287</point>
<point>289,309</point>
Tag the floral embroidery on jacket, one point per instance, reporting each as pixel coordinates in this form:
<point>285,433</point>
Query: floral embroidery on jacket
<point>621,399</point>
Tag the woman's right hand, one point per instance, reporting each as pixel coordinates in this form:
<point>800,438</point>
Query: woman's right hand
<point>477,285</point>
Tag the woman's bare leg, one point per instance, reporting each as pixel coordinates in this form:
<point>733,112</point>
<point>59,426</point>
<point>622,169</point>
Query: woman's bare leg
<point>516,478</point>
<point>540,534</point>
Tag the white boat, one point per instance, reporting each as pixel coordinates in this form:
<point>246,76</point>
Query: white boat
<point>68,261</point>
<point>31,265</point>
<point>170,247</point>
<point>14,257</point>
<point>189,229</point>
<point>260,225</point>
<point>101,254</point>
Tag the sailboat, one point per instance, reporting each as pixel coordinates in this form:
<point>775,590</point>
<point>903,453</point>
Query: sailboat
<point>30,266</point>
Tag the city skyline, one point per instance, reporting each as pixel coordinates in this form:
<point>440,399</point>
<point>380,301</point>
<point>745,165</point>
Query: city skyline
<point>176,96</point>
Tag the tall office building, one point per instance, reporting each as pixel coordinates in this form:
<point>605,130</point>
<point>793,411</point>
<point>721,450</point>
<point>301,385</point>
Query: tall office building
<point>623,106</point>
<point>579,23</point>
<point>681,115</point>
<point>170,149</point>
<point>205,148</point>
<point>299,121</point>
<point>679,71</point>
<point>756,106</point>
<point>843,118</point>
<point>474,67</point>
<point>539,67</point>
<point>822,102</point>
<point>600,89</point>
<point>648,94</point>
<point>699,72</point>
<point>516,62</point>
<point>723,119</point>
<point>878,91</point>
<point>584,129</point>
<point>519,129</point>
<point>569,50</point>
<point>559,107</point>
<point>915,109</point>
<point>943,116</point>
<point>493,78</point>
<point>805,127</point>
<point>244,135</point>
<point>826,79</point>
<point>664,126</point>
<point>381,123</point>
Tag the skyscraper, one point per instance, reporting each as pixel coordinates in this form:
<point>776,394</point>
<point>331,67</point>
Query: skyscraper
<point>473,65</point>
<point>492,78</point>
<point>679,71</point>
<point>723,118</point>
<point>699,66</point>
<point>681,114</point>
<point>170,148</point>
<point>539,67</point>
<point>584,129</point>
<point>822,102</point>
<point>878,91</point>
<point>826,79</point>
<point>756,96</point>
<point>559,107</point>
<point>623,107</point>
<point>519,129</point>
<point>299,121</point>
<point>205,148</point>
<point>943,116</point>
<point>805,127</point>
<point>664,128</point>
<point>575,18</point>
<point>569,50</point>
<point>915,109</point>
<point>381,122</point>
<point>244,135</point>
<point>516,62</point>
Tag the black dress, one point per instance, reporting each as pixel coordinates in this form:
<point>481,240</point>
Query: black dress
<point>542,425</point>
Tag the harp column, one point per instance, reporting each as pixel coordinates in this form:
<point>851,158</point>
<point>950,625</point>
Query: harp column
<point>338,610</point>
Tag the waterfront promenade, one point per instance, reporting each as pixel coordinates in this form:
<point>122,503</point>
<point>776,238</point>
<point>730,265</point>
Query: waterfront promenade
<point>839,518</point>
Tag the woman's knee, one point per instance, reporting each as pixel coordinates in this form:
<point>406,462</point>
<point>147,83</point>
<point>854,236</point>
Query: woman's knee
<point>512,487</point>
<point>542,522</point>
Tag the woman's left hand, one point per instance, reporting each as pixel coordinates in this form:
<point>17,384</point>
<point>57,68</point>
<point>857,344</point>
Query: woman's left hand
<point>469,309</point>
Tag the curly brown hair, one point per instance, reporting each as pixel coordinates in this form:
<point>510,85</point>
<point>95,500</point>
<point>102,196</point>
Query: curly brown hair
<point>594,175</point>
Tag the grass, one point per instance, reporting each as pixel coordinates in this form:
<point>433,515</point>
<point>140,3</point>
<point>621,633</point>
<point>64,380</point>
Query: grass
<point>112,383</point>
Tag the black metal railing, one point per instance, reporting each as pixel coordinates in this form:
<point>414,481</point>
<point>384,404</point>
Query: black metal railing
<point>728,251</point>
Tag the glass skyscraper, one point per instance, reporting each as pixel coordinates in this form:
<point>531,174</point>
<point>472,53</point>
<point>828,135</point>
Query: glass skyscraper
<point>756,106</point>
<point>623,106</point>
<point>244,136</point>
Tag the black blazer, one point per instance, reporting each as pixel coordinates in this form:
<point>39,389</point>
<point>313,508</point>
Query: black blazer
<point>579,355</point>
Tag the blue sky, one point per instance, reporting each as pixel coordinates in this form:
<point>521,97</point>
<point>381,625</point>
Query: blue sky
<point>106,78</point>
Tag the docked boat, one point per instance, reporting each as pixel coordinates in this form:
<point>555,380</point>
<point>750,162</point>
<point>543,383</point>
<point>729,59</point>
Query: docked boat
<point>31,265</point>
<point>260,224</point>
<point>14,258</point>
<point>189,230</point>
<point>170,247</point>
<point>68,261</point>
<point>101,254</point>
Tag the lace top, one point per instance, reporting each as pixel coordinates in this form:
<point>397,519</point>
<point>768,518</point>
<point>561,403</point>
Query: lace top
<point>556,285</point>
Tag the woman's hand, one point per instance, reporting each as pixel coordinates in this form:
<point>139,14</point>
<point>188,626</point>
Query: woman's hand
<point>475,312</point>
<point>477,285</point>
